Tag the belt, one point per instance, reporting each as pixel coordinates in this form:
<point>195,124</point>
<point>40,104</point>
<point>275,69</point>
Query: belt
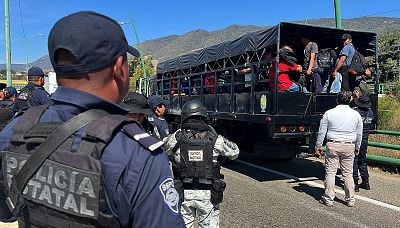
<point>197,186</point>
<point>341,142</point>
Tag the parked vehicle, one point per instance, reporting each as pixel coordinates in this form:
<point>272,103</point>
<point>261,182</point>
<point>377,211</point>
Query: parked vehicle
<point>242,106</point>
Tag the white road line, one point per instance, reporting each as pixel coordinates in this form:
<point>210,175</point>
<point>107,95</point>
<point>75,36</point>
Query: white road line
<point>314,184</point>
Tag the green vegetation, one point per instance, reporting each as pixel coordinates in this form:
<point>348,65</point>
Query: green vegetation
<point>389,56</point>
<point>388,119</point>
<point>136,70</point>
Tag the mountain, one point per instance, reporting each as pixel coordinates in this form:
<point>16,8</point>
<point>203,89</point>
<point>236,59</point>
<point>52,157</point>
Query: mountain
<point>169,47</point>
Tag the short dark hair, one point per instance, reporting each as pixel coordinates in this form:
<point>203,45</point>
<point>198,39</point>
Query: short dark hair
<point>344,97</point>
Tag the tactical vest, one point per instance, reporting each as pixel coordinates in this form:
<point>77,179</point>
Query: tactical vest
<point>153,128</point>
<point>367,116</point>
<point>66,189</point>
<point>196,156</point>
<point>22,100</point>
<point>5,115</point>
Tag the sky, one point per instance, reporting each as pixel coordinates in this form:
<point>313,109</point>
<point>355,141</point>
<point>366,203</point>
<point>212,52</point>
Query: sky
<point>155,19</point>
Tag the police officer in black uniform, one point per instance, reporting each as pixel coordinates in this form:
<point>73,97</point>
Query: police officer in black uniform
<point>78,161</point>
<point>159,108</point>
<point>6,113</point>
<point>196,148</point>
<point>139,109</point>
<point>33,94</point>
<point>362,105</point>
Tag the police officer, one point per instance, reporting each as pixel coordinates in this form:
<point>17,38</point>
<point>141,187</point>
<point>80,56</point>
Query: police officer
<point>10,94</point>
<point>196,148</point>
<point>33,94</point>
<point>5,111</point>
<point>362,105</point>
<point>137,106</point>
<point>139,109</point>
<point>94,166</point>
<point>159,108</point>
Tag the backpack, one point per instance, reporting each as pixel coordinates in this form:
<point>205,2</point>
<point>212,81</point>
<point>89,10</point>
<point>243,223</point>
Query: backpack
<point>326,58</point>
<point>358,64</point>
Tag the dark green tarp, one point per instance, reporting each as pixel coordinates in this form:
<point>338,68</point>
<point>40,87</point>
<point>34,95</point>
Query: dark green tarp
<point>290,33</point>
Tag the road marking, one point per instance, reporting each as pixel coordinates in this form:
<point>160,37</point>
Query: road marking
<point>314,184</point>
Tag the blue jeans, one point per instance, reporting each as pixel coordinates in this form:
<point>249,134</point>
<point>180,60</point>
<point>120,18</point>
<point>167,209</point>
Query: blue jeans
<point>336,84</point>
<point>296,88</point>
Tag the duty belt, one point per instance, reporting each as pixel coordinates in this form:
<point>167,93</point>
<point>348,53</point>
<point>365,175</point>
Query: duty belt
<point>341,142</point>
<point>196,186</point>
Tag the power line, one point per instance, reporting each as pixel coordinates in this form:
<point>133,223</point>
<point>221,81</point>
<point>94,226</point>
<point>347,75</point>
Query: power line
<point>22,22</point>
<point>391,11</point>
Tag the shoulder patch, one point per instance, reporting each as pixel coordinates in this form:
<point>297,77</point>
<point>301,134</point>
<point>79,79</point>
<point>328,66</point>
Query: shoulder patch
<point>143,138</point>
<point>169,194</point>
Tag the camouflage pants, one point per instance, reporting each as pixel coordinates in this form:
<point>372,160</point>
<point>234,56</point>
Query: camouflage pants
<point>197,202</point>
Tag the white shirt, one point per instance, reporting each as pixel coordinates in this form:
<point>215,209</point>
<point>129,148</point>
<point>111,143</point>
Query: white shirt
<point>342,124</point>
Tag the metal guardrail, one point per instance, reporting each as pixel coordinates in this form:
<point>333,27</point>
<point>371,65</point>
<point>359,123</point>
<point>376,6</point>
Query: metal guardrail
<point>382,159</point>
<point>377,158</point>
<point>384,132</point>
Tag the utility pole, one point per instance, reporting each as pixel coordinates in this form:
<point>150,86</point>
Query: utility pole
<point>8,44</point>
<point>141,57</point>
<point>337,14</point>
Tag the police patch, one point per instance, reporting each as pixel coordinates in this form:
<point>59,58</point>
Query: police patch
<point>170,195</point>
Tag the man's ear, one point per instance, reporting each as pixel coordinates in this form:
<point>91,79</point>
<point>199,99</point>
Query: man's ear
<point>117,68</point>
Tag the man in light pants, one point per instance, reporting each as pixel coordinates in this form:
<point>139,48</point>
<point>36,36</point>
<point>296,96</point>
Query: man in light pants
<point>343,127</point>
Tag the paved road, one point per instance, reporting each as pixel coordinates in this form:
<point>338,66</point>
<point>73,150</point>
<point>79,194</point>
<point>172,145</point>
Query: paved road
<point>285,194</point>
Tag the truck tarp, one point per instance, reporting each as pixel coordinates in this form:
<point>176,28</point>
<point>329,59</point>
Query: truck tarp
<point>254,41</point>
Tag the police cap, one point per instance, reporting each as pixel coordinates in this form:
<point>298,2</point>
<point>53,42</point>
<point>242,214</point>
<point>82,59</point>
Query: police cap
<point>93,39</point>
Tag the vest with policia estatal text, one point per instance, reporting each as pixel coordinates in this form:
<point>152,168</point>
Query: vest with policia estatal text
<point>22,100</point>
<point>67,190</point>
<point>196,155</point>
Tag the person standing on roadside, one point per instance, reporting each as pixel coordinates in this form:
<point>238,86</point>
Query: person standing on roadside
<point>343,128</point>
<point>84,163</point>
<point>362,105</point>
<point>195,148</point>
<point>33,94</point>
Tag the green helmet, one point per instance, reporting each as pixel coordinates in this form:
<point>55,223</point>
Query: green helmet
<point>193,108</point>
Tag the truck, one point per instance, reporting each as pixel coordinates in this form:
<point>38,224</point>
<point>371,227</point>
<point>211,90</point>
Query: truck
<point>243,107</point>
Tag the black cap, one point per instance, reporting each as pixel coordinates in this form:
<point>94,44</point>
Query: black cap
<point>346,36</point>
<point>11,90</point>
<point>136,103</point>
<point>35,71</point>
<point>363,101</point>
<point>156,100</point>
<point>93,39</point>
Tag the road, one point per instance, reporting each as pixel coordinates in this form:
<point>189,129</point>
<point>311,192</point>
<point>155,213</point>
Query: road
<point>285,194</point>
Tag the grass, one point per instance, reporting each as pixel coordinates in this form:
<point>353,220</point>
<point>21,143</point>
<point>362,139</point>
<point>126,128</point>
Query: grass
<point>389,139</point>
<point>388,119</point>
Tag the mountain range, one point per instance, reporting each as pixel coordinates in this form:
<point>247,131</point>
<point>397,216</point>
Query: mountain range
<point>170,46</point>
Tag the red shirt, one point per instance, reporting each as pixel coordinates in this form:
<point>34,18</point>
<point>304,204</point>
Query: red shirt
<point>284,82</point>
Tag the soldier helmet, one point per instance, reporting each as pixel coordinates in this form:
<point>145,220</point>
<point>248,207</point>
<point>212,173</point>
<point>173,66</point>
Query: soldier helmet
<point>193,108</point>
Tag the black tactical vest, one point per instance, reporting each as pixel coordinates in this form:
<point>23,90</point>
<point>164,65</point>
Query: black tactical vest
<point>22,100</point>
<point>196,155</point>
<point>67,190</point>
<point>368,117</point>
<point>5,115</point>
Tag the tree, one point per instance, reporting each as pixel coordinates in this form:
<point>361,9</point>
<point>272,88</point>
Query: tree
<point>136,70</point>
<point>389,56</point>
